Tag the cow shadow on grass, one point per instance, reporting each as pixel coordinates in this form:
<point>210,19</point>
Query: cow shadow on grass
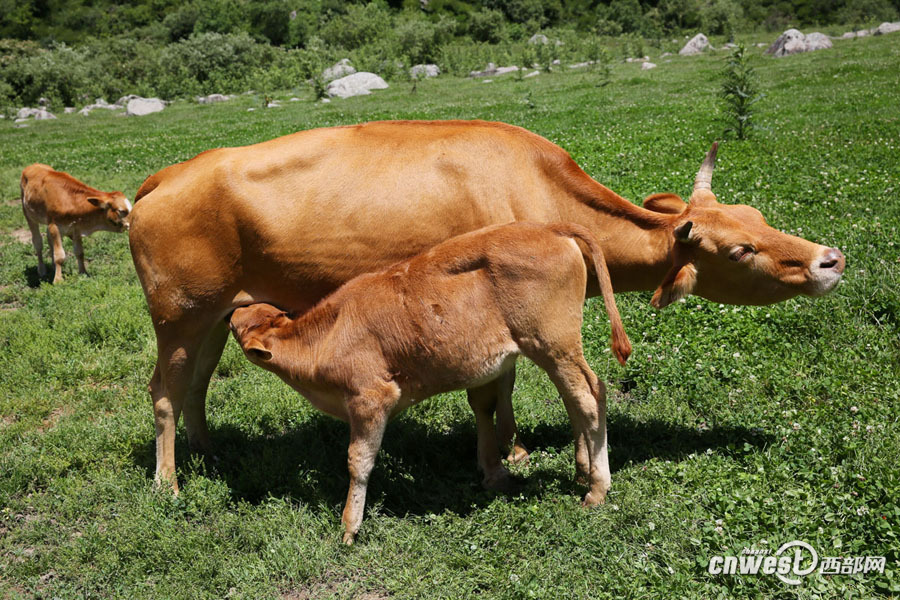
<point>33,280</point>
<point>422,470</point>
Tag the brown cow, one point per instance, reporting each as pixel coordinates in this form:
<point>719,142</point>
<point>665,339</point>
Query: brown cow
<point>385,341</point>
<point>289,220</point>
<point>67,207</point>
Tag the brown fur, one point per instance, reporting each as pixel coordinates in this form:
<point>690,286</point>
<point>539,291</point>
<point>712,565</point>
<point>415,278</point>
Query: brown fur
<point>68,207</point>
<point>455,316</point>
<point>289,220</point>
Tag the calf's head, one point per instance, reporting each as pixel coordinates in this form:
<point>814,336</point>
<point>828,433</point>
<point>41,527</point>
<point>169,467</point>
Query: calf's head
<point>116,210</point>
<point>255,328</point>
<point>728,253</point>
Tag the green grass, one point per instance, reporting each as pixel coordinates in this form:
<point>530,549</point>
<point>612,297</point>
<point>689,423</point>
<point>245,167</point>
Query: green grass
<point>731,427</point>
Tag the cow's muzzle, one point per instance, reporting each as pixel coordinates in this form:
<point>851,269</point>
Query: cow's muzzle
<point>826,271</point>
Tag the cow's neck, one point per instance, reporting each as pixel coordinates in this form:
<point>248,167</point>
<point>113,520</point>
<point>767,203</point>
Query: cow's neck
<point>637,242</point>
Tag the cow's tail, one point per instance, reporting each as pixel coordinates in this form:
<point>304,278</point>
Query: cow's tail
<point>620,344</point>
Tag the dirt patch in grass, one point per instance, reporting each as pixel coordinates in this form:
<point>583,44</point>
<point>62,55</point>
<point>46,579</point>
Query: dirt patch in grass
<point>21,235</point>
<point>53,418</point>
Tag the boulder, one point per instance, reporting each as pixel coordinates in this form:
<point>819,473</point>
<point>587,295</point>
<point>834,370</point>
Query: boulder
<point>539,38</point>
<point>533,74</point>
<point>817,41</point>
<point>121,102</point>
<point>793,41</point>
<point>886,28</point>
<point>665,54</point>
<point>68,110</point>
<point>341,68</point>
<point>696,45</point>
<point>423,71</point>
<point>848,35</point>
<point>862,33</point>
<point>640,59</point>
<point>138,107</point>
<point>646,66</point>
<point>99,103</point>
<point>357,84</point>
<point>493,69</point>
<point>213,98</point>
<point>38,114</point>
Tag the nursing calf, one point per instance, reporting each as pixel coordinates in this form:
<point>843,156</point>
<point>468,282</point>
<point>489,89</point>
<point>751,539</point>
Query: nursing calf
<point>68,207</point>
<point>456,316</point>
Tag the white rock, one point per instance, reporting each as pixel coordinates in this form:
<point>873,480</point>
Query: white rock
<point>68,110</point>
<point>886,28</point>
<point>357,84</point>
<point>38,114</point>
<point>513,69</point>
<point>251,109</point>
<point>25,112</point>
<point>539,38</point>
<point>341,68</point>
<point>294,99</point>
<point>647,66</point>
<point>326,100</point>
<point>273,105</point>
<point>863,33</point>
<point>729,45</point>
<point>533,74</point>
<point>423,71</point>
<point>848,35</point>
<point>487,81</point>
<point>665,54</point>
<point>581,64</point>
<point>793,41</point>
<point>138,107</point>
<point>696,45</point>
<point>817,41</point>
<point>121,102</point>
<point>213,98</point>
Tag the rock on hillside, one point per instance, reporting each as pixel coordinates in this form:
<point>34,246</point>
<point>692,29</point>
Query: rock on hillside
<point>341,68</point>
<point>698,44</point>
<point>138,107</point>
<point>793,41</point>
<point>357,84</point>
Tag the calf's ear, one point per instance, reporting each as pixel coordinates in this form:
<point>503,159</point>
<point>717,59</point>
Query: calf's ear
<point>98,203</point>
<point>670,204</point>
<point>257,349</point>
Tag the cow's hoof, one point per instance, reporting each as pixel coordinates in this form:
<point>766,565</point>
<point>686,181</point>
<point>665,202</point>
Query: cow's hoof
<point>349,538</point>
<point>518,455</point>
<point>502,482</point>
<point>593,499</point>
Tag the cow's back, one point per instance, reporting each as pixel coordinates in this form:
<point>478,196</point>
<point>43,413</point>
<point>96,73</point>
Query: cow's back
<point>289,220</point>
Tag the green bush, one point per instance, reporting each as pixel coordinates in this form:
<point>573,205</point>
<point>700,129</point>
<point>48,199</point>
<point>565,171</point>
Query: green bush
<point>361,25</point>
<point>486,25</point>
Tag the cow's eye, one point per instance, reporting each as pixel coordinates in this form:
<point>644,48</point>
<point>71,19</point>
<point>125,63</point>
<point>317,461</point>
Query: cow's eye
<point>741,253</point>
<point>122,213</point>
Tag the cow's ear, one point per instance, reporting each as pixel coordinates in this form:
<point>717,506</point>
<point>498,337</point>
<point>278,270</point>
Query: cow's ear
<point>257,349</point>
<point>98,203</point>
<point>670,204</point>
<point>682,276</point>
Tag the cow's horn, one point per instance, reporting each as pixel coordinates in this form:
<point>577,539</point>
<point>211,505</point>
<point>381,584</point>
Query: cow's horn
<point>704,175</point>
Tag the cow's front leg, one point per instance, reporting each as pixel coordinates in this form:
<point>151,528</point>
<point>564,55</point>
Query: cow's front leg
<point>483,400</point>
<point>368,415</point>
<point>54,239</point>
<point>79,252</point>
<point>507,431</point>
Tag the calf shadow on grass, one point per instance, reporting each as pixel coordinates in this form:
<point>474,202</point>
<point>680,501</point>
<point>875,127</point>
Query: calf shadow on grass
<point>421,470</point>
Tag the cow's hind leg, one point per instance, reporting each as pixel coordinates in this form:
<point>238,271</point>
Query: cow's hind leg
<point>194,408</point>
<point>169,388</point>
<point>38,243</point>
<point>54,239</point>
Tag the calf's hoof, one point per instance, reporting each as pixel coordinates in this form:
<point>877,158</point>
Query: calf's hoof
<point>349,538</point>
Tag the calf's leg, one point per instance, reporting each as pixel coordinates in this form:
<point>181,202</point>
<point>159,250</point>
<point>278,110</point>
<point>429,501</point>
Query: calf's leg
<point>507,432</point>
<point>79,252</point>
<point>38,244</point>
<point>368,415</point>
<point>585,399</point>
<point>483,400</point>
<point>54,239</point>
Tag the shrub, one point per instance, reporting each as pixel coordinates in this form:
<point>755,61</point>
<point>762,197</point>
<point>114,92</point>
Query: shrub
<point>419,39</point>
<point>721,17</point>
<point>486,25</point>
<point>739,93</point>
<point>360,25</point>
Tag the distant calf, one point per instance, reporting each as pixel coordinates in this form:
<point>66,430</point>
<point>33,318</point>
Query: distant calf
<point>67,207</point>
<point>456,316</point>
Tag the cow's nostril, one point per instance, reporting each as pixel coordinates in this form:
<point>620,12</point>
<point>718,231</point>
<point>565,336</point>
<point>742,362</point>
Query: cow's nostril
<point>832,259</point>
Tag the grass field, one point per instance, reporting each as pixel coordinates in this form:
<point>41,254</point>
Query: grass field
<point>731,427</point>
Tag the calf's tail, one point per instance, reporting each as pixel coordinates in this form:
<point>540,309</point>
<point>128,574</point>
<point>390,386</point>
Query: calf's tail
<point>620,344</point>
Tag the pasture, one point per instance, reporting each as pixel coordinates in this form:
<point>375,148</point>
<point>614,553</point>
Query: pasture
<point>730,427</point>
